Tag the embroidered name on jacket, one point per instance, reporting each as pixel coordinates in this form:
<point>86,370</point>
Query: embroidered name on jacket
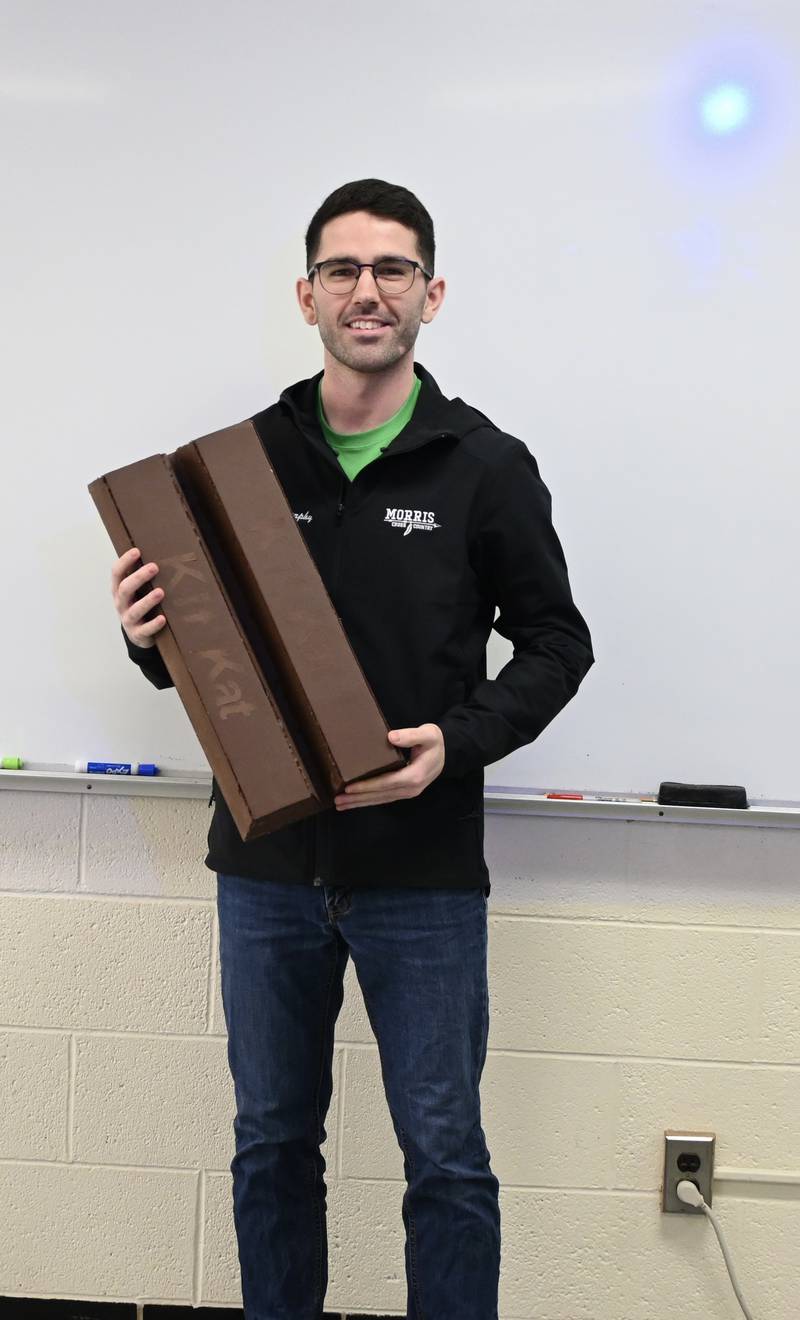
<point>413,520</point>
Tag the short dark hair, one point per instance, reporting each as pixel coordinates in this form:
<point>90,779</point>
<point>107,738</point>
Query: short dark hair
<point>378,198</point>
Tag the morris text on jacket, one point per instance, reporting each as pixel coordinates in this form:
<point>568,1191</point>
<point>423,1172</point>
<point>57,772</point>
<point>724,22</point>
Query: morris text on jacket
<point>413,520</point>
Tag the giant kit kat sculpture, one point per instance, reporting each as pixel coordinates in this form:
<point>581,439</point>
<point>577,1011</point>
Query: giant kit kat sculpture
<point>252,642</point>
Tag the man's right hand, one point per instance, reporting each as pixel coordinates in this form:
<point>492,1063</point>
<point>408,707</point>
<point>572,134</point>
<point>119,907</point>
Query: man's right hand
<point>125,582</point>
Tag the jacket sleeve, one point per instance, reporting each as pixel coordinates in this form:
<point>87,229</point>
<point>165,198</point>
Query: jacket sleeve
<point>522,570</point>
<point>148,658</point>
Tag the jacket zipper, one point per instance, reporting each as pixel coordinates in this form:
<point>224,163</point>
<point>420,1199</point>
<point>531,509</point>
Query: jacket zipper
<point>320,821</point>
<point>339,519</point>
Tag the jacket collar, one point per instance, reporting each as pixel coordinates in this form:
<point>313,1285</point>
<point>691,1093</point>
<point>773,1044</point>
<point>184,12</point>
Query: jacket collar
<point>434,416</point>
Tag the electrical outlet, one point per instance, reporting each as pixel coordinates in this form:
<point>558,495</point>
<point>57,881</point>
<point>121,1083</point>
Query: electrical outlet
<point>690,1156</point>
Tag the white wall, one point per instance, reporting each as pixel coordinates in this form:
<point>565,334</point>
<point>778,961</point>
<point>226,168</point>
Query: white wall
<point>643,976</point>
<point>621,294</point>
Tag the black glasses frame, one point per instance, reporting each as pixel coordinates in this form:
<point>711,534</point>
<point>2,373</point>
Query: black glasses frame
<point>369,265</point>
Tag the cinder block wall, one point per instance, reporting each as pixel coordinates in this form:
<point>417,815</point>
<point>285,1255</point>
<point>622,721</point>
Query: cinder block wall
<point>643,976</point>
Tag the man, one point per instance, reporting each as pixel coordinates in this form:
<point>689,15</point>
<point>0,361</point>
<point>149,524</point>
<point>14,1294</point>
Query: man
<point>422,517</point>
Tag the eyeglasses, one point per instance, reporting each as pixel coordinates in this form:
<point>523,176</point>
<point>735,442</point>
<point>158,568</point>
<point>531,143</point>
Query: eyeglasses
<point>392,275</point>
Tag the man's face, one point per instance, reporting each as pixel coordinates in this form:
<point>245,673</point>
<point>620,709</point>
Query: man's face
<point>360,236</point>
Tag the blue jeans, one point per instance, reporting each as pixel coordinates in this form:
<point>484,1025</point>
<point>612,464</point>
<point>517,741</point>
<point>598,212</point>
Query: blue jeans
<point>420,958</point>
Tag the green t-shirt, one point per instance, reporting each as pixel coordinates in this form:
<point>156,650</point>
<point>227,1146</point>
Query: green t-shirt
<point>356,451</point>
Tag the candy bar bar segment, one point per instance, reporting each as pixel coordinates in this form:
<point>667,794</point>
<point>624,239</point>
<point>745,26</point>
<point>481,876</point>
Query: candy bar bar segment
<point>208,657</point>
<point>229,473</point>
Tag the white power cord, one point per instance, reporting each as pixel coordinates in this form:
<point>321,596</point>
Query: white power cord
<point>691,1195</point>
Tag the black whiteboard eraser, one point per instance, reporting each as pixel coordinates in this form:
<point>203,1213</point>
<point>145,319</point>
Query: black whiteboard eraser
<point>671,794</point>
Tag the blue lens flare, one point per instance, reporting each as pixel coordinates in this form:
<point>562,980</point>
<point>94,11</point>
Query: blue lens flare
<point>725,108</point>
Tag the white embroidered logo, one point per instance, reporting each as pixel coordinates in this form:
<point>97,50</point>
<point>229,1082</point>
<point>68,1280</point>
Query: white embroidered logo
<point>413,520</point>
<point>303,517</point>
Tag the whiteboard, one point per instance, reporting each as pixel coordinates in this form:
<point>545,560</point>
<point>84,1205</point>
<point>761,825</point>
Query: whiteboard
<point>622,294</point>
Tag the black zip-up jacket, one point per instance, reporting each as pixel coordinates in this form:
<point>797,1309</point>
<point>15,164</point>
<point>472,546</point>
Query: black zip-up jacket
<point>449,524</point>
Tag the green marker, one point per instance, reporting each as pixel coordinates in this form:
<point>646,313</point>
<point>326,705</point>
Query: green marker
<point>11,763</point>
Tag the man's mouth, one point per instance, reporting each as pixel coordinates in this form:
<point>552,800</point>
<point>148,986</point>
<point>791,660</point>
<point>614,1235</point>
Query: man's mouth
<point>367,327</point>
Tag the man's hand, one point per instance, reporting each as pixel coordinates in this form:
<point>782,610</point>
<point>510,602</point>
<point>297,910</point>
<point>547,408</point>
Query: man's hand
<point>125,582</point>
<point>427,761</point>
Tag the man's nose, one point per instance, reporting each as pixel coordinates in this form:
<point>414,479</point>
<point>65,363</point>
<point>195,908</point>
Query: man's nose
<point>370,287</point>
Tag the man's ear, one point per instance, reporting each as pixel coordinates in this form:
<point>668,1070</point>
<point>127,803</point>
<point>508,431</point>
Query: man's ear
<point>307,307</point>
<point>439,288</point>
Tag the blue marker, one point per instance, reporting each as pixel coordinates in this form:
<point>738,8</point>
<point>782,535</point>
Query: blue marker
<point>115,768</point>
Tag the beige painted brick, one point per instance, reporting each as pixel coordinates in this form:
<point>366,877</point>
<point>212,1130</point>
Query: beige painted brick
<point>160,1102</point>
<point>369,1144</point>
<point>755,1113</point>
<point>779,1027</point>
<point>549,1122</point>
<point>86,1232</point>
<point>365,1247</point>
<point>34,1081</point>
<point>353,1024</point>
<point>39,840</point>
<point>671,1261</point>
<point>221,1283</point>
<point>766,1260</point>
<point>558,1256</point>
<point>614,989</point>
<point>147,845</point>
<point>596,1256</point>
<point>218,1025</point>
<point>75,962</point>
<point>331,1147</point>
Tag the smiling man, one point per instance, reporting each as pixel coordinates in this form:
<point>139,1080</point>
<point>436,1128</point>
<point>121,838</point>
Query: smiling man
<point>424,519</point>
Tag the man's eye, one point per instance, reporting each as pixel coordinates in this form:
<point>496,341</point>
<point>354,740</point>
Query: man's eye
<point>393,271</point>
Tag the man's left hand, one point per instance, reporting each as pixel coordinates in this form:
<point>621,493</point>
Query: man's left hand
<point>427,762</point>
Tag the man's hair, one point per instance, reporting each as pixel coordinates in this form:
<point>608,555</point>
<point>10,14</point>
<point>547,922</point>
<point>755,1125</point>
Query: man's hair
<point>377,197</point>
